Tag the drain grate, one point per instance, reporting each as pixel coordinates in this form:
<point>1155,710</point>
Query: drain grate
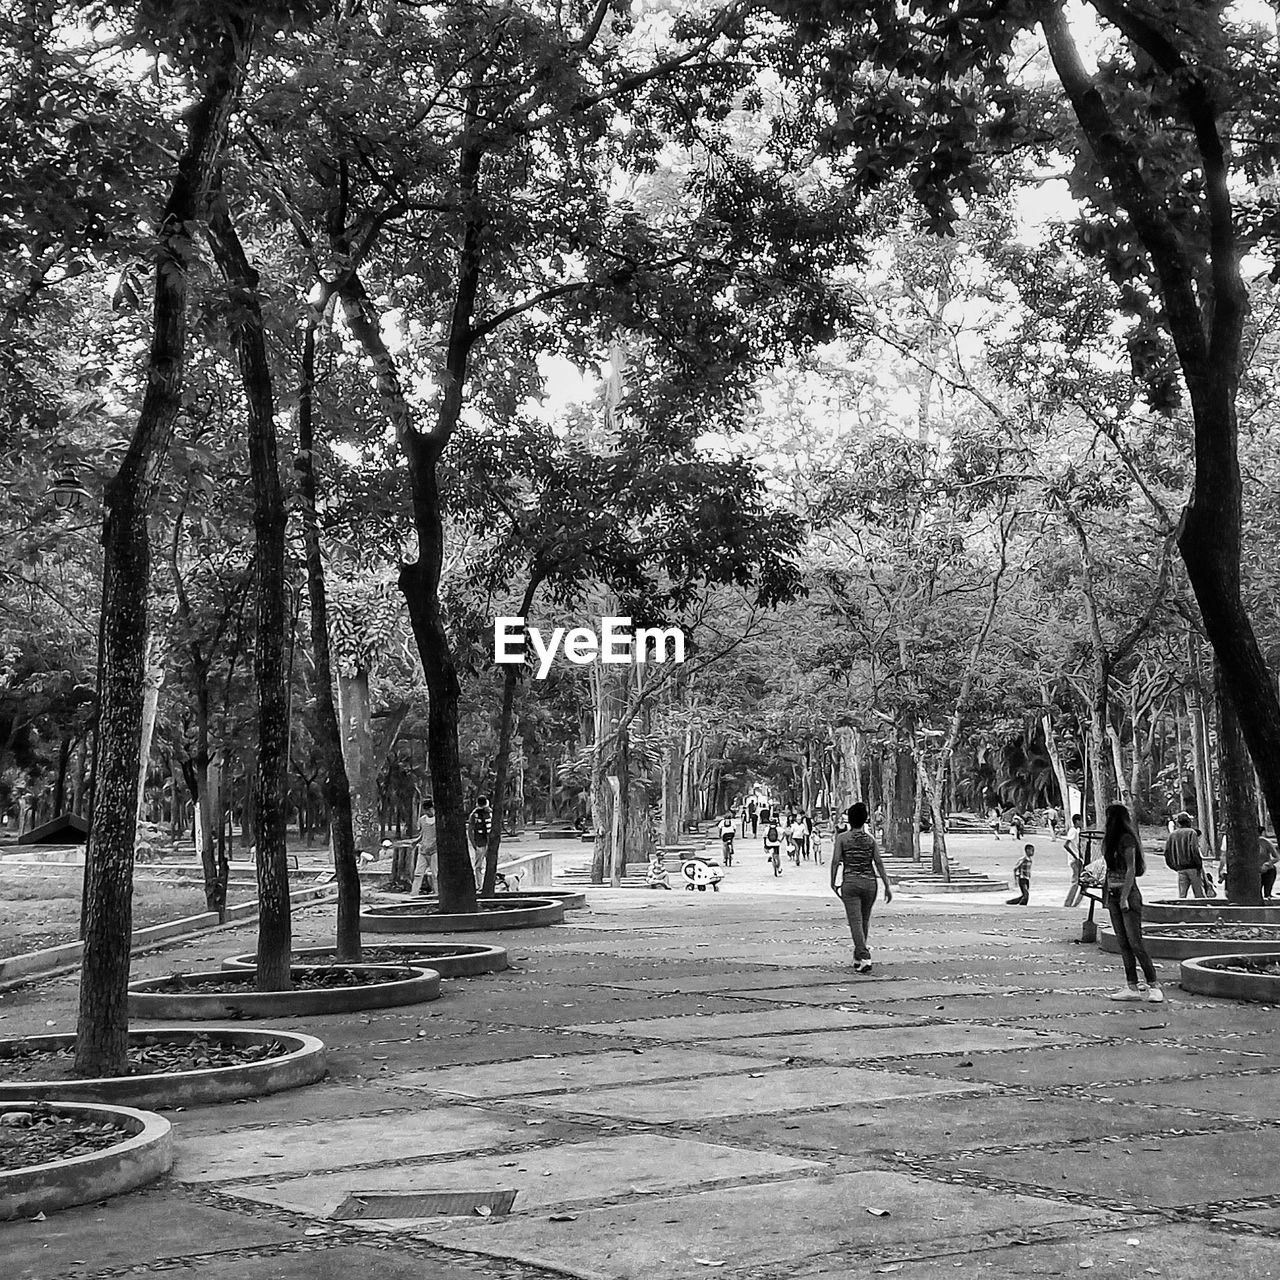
<point>423,1204</point>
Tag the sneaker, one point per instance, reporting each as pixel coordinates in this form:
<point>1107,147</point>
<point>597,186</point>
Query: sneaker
<point>862,966</point>
<point>1127,993</point>
<point>1155,995</point>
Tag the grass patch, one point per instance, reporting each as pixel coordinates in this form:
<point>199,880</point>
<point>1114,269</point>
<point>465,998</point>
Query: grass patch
<point>38,911</point>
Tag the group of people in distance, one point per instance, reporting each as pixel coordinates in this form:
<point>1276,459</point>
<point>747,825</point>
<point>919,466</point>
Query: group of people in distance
<point>796,833</point>
<point>1184,853</point>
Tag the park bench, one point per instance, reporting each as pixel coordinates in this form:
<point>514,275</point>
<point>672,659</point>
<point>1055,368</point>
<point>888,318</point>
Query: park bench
<point>1089,891</point>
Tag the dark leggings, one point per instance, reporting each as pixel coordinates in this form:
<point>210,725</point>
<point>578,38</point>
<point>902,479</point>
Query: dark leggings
<point>1126,924</point>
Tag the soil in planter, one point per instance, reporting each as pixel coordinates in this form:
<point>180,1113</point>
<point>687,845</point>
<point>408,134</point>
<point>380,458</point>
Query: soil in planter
<point>313,978</point>
<point>147,1057</point>
<point>1213,932</point>
<point>1270,968</point>
<point>34,1135</point>
<point>381,956</point>
<point>431,907</point>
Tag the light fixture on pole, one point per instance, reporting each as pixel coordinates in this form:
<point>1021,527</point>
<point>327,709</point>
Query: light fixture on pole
<point>68,493</point>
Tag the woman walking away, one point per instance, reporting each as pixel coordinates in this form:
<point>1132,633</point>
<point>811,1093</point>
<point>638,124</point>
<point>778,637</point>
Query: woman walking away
<point>1122,852</point>
<point>856,857</point>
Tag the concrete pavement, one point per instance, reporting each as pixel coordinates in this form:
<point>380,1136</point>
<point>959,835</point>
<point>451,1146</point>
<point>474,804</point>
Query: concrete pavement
<point>683,1085</point>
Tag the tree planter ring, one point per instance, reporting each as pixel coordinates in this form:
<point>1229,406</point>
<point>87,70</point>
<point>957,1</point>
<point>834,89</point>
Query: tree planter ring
<point>150,998</point>
<point>1207,976</point>
<point>1173,945</point>
<point>448,959</point>
<point>494,913</point>
<point>303,1063</point>
<point>141,1156</point>
<point>572,898</point>
<point>1208,911</point>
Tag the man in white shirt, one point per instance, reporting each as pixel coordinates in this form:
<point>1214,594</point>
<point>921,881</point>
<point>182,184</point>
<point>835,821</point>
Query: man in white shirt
<point>800,838</point>
<point>726,830</point>
<point>1072,847</point>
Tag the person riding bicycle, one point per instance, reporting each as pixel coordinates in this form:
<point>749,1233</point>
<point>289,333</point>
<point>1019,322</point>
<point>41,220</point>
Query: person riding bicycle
<point>727,831</point>
<point>773,846</point>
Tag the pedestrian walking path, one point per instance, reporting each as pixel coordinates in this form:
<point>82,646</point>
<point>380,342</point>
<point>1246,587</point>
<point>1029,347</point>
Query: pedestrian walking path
<point>683,1085</point>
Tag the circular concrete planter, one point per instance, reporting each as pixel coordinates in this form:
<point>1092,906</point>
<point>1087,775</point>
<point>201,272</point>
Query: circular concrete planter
<point>494,913</point>
<point>1206,976</point>
<point>1170,942</point>
<point>303,1063</point>
<point>385,988</point>
<point>448,959</point>
<point>572,898</point>
<point>140,1157</point>
<point>1207,911</point>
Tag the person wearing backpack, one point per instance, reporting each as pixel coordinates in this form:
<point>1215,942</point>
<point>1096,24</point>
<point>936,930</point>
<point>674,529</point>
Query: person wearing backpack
<point>773,845</point>
<point>726,830</point>
<point>1122,852</point>
<point>1182,854</point>
<point>479,824</point>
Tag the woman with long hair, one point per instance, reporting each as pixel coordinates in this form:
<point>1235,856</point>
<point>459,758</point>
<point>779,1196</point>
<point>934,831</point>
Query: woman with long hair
<point>1122,852</point>
<point>855,856</point>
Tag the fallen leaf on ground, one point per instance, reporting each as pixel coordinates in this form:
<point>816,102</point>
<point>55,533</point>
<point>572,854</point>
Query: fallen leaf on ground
<point>877,1213</point>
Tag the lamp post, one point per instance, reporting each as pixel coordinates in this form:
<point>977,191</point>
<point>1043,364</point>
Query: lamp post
<point>68,493</point>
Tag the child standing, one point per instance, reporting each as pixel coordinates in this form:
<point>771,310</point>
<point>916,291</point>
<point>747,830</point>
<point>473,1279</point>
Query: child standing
<point>1022,874</point>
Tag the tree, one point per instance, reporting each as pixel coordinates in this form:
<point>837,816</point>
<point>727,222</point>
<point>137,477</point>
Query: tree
<point>217,56</point>
<point>1165,151</point>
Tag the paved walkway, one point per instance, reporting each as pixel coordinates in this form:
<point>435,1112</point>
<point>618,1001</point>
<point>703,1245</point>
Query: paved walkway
<point>687,1085</point>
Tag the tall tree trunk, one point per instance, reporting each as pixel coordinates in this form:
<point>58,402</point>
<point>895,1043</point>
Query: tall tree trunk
<point>900,805</point>
<point>1100,777</point>
<point>337,786</point>
<point>848,783</point>
<point>102,1024</point>
<point>270,673</point>
<point>80,781</point>
<point>672,775</point>
<point>152,682</point>
<point>1182,754</point>
<point>1055,760</point>
<point>1117,764</point>
<point>359,761</point>
<point>1204,810</point>
<point>1239,802</point>
<point>60,779</point>
<point>420,580</point>
<point>502,765</point>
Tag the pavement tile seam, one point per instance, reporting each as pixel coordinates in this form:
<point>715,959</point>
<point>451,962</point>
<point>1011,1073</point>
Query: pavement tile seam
<point>943,1248</point>
<point>934,1168</point>
<point>1067,1144</point>
<point>626,1199</point>
<point>410,1162</point>
<point>336,1234</point>
<point>700,1126</point>
<point>892,1064</point>
<point>301,1122</point>
<point>1242,1205</point>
